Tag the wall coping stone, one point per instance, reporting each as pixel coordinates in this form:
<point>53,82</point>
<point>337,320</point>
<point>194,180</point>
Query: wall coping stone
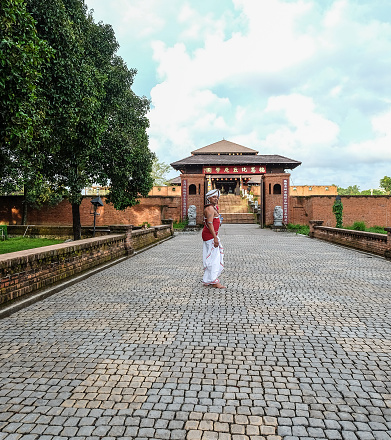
<point>341,231</point>
<point>54,249</point>
<point>342,196</point>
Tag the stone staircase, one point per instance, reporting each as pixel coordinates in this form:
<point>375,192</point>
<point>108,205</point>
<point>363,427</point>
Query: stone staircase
<point>234,209</point>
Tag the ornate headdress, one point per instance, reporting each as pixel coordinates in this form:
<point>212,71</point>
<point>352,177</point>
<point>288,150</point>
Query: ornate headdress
<point>213,192</point>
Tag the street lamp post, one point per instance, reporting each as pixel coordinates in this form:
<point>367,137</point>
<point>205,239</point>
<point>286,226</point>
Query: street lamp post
<point>96,203</point>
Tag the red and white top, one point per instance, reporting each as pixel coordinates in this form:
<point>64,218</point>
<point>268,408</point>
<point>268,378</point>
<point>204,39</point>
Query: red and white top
<point>206,234</point>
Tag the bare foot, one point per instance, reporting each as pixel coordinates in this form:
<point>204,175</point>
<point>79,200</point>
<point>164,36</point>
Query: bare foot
<point>218,286</point>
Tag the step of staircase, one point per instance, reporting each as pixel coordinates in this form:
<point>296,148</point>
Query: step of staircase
<point>234,209</point>
<point>234,217</point>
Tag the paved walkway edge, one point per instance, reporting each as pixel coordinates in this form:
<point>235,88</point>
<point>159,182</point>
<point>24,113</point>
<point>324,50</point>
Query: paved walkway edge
<point>35,297</point>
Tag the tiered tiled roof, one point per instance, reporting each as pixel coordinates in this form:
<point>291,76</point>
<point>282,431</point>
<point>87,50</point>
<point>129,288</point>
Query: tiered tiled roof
<point>228,153</point>
<point>224,147</point>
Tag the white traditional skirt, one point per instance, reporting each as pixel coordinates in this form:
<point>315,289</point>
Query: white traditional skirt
<point>213,260</point>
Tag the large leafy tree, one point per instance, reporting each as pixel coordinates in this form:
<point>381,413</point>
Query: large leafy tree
<point>73,89</point>
<point>23,55</point>
<point>97,124</point>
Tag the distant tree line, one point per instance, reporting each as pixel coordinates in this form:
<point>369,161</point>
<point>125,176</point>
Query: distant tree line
<point>385,185</point>
<point>68,115</point>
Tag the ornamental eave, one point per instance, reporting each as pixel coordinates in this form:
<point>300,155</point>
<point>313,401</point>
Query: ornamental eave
<point>211,159</point>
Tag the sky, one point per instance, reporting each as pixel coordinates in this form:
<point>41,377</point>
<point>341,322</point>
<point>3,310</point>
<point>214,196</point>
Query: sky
<point>306,79</point>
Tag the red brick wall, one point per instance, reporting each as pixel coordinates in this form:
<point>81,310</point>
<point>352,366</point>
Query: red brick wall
<point>151,209</point>
<point>145,237</point>
<point>373,210</point>
<point>273,200</point>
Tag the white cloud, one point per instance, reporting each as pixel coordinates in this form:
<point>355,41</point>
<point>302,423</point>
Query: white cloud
<point>377,148</point>
<point>197,26</point>
<point>302,78</point>
<point>335,15</point>
<point>309,126</point>
<point>382,125</point>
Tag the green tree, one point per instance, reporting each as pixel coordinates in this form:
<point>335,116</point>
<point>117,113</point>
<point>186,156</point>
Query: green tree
<point>97,124</point>
<point>159,172</point>
<point>385,183</point>
<point>349,191</point>
<point>372,192</point>
<point>23,56</point>
<point>126,160</point>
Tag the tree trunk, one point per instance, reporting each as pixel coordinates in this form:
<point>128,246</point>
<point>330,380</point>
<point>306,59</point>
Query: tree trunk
<point>24,206</point>
<point>76,221</point>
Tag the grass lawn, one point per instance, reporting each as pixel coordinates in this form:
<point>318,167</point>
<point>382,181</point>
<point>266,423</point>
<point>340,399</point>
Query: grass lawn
<point>21,244</point>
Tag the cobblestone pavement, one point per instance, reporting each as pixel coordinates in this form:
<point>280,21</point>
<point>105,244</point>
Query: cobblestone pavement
<point>297,347</point>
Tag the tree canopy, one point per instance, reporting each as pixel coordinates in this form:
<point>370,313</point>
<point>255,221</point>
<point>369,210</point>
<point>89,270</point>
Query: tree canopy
<point>159,172</point>
<point>349,191</point>
<point>23,56</point>
<point>385,183</point>
<point>355,191</point>
<point>89,126</point>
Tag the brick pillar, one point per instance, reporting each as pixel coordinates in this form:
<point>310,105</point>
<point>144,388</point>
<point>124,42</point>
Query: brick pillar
<point>169,221</point>
<point>387,252</point>
<point>314,223</point>
<point>193,193</point>
<point>127,230</point>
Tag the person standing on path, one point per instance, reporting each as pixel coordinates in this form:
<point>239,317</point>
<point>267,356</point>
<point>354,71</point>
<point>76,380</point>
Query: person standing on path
<point>213,252</point>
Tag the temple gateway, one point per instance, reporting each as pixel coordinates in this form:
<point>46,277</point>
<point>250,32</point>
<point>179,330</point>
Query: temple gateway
<point>235,170</point>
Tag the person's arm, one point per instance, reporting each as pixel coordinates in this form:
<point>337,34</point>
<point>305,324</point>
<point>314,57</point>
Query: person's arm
<point>209,214</point>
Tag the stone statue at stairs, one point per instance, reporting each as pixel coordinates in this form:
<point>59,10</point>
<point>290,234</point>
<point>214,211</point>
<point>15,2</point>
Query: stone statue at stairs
<point>278,216</point>
<point>192,215</point>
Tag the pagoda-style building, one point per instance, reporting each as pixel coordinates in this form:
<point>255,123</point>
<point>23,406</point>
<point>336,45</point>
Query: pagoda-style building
<point>232,167</point>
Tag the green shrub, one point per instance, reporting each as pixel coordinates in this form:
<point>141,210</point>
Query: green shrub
<point>4,229</point>
<point>377,230</point>
<point>299,229</point>
<point>359,226</point>
<point>180,225</point>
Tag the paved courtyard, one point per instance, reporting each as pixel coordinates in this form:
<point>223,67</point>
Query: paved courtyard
<point>297,347</point>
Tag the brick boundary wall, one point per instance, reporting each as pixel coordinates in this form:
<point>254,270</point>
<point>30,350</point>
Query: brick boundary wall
<point>25,272</point>
<point>152,209</point>
<point>372,210</point>
<point>379,244</point>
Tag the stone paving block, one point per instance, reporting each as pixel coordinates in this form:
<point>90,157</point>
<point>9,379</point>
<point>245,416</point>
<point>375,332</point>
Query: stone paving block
<point>193,434</point>
<point>349,435</point>
<point>382,435</point>
<point>292,349</point>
